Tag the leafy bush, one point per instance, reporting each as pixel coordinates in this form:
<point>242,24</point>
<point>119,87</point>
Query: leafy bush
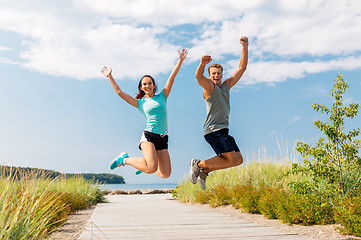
<point>303,209</point>
<point>268,202</point>
<point>334,161</point>
<point>348,214</point>
<point>203,197</point>
<point>246,197</point>
<point>220,195</point>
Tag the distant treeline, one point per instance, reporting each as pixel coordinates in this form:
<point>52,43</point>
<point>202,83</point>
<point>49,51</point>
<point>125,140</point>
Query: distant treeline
<point>101,178</point>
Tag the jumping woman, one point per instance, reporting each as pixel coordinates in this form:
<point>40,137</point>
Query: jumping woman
<point>154,140</point>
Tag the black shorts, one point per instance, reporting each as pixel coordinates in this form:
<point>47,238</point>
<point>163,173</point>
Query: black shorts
<point>160,141</point>
<point>221,142</point>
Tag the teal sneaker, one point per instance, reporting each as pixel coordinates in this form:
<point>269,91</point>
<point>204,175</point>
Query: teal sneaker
<point>118,161</point>
<point>138,172</point>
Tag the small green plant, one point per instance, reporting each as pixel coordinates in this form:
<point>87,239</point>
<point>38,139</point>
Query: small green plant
<point>334,163</point>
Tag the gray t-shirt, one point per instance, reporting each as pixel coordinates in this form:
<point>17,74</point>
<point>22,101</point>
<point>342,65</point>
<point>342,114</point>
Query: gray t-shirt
<point>218,109</point>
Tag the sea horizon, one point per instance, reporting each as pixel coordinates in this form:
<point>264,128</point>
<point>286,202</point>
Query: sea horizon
<point>139,186</point>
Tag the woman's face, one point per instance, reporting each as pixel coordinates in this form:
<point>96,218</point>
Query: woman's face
<point>147,86</point>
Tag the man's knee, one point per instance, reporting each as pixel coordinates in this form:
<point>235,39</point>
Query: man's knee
<point>234,158</point>
<point>239,158</point>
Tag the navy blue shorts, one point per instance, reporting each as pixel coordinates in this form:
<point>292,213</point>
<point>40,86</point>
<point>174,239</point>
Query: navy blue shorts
<point>221,142</point>
<point>160,141</point>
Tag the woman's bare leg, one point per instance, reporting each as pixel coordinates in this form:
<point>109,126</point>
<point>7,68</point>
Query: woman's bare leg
<point>149,162</point>
<point>164,166</point>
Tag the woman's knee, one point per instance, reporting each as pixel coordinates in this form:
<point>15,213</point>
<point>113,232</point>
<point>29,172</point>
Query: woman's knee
<point>165,175</point>
<point>152,168</point>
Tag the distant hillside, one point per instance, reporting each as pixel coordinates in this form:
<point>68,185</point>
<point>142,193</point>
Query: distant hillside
<point>96,177</point>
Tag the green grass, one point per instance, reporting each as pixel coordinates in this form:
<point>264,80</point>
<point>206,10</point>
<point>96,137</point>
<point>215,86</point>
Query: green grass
<point>259,170</point>
<point>30,208</point>
<point>259,174</point>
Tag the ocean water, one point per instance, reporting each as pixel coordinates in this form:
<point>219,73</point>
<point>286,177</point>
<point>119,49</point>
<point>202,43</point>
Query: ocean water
<point>127,186</point>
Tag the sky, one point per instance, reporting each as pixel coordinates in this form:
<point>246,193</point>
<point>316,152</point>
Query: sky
<point>59,112</point>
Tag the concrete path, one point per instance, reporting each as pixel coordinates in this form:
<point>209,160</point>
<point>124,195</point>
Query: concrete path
<point>157,216</point>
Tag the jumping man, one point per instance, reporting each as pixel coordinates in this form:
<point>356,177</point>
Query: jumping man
<point>215,129</point>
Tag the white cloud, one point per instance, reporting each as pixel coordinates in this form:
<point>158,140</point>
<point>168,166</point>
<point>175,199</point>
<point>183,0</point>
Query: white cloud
<point>279,71</point>
<point>332,28</point>
<point>75,45</point>
<point>8,61</point>
<point>273,132</point>
<point>77,37</point>
<point>315,90</point>
<point>4,48</point>
<point>294,119</point>
<point>130,51</point>
<point>170,12</point>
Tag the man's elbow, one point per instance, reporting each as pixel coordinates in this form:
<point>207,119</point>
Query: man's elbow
<point>119,92</point>
<point>243,68</point>
<point>198,77</point>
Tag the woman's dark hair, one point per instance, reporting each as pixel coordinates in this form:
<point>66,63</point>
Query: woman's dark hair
<point>141,94</point>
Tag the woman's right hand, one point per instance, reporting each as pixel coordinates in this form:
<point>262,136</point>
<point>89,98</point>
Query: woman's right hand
<point>183,54</point>
<point>107,72</point>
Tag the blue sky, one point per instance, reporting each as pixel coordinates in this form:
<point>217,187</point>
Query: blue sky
<point>58,112</point>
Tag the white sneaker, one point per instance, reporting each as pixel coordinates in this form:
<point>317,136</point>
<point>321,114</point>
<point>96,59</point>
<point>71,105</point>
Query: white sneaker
<point>194,170</point>
<point>202,179</point>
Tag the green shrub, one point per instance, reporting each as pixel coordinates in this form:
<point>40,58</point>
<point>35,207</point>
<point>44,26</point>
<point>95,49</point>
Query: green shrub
<point>287,208</point>
<point>334,162</point>
<point>267,203</point>
<point>246,197</point>
<point>348,214</point>
<point>203,197</point>
<point>220,195</point>
<point>303,209</point>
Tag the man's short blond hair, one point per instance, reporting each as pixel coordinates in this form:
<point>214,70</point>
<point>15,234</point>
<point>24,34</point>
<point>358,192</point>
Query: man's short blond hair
<point>215,65</point>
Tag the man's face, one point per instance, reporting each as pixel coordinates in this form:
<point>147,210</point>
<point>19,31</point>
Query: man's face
<point>215,74</point>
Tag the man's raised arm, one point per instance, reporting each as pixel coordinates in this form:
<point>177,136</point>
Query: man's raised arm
<point>204,82</point>
<point>242,64</point>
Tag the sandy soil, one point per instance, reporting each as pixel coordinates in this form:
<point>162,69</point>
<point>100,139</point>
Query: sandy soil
<point>76,222</point>
<point>74,225</point>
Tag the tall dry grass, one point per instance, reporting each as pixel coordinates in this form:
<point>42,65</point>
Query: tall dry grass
<point>260,169</point>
